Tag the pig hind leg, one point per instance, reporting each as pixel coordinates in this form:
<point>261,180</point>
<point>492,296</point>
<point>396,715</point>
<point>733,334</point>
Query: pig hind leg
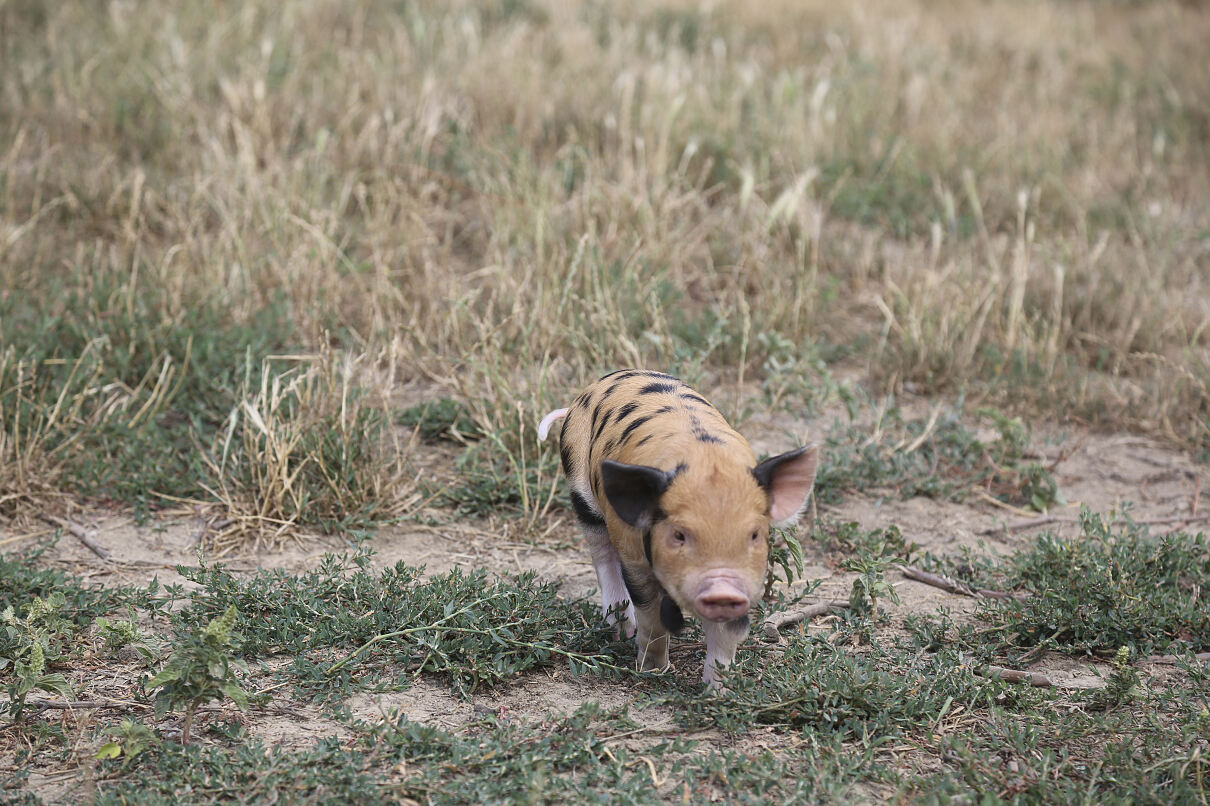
<point>651,640</point>
<point>614,596</point>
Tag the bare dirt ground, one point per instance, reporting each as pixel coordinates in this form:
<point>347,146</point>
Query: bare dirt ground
<point>1102,471</point>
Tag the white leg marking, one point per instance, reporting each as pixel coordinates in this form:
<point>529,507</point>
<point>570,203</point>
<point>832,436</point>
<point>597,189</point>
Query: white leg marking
<point>721,642</point>
<point>609,578</point>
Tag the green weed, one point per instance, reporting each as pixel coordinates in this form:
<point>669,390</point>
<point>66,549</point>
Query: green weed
<point>938,457</point>
<point>440,419</point>
<point>202,668</point>
<point>1122,683</point>
<point>575,757</point>
<point>1113,586</point>
<point>121,633</point>
<point>1108,589</point>
<point>22,579</point>
<point>346,627</point>
<point>30,644</point>
<point>1145,756</point>
<point>848,539</point>
<point>129,739</point>
<point>785,553</point>
<point>814,686</point>
<point>870,585</point>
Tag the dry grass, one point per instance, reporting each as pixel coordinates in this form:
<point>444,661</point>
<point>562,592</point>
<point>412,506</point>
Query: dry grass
<point>45,408</point>
<point>509,196</point>
<point>308,445</point>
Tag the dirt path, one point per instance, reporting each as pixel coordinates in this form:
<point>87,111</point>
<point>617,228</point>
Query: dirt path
<point>1103,472</point>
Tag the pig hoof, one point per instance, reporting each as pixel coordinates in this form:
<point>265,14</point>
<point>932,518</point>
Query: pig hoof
<point>653,661</point>
<point>653,655</point>
<point>654,665</point>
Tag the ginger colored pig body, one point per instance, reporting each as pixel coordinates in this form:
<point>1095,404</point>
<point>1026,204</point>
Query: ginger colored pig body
<point>675,509</point>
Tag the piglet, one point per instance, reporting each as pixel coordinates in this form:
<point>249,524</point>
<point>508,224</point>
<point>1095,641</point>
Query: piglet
<point>674,508</point>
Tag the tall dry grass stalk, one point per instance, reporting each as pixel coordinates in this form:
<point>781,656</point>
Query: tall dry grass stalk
<point>998,196</point>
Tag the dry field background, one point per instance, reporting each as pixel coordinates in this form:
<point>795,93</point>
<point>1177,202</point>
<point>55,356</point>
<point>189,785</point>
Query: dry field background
<point>280,277</point>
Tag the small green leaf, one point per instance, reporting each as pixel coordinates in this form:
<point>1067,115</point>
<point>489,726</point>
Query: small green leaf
<point>109,750</point>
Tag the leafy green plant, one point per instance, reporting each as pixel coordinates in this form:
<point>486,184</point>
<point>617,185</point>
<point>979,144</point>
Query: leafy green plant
<point>1113,586</point>
<point>121,633</point>
<point>201,669</point>
<point>871,585</point>
<point>938,457</point>
<point>593,755</point>
<point>815,686</point>
<point>1122,683</point>
<point>29,645</point>
<point>443,419</point>
<point>1039,488</point>
<point>25,578</point>
<point>129,739</point>
<point>795,373</point>
<point>785,553</point>
<point>847,538</point>
<point>1014,433</point>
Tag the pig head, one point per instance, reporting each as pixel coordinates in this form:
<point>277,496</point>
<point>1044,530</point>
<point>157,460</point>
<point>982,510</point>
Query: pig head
<point>701,530</point>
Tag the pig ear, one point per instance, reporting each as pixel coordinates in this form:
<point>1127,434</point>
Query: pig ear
<point>788,479</point>
<point>634,490</point>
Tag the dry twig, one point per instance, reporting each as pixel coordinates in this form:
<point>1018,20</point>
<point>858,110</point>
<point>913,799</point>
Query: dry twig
<point>1044,520</point>
<point>1015,676</point>
<point>771,625</point>
<point>1168,660</point>
<point>952,586</point>
<point>80,534</point>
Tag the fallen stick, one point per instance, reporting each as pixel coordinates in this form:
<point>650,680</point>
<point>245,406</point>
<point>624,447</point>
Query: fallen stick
<point>951,586</point>
<point>71,705</point>
<point>771,625</point>
<point>80,534</point>
<point>986,594</point>
<point>1014,676</point>
<point>1048,519</point>
<point>936,580</point>
<point>1203,657</point>
<point>1030,523</point>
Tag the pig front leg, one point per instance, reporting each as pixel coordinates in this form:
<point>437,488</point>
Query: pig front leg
<point>722,639</point>
<point>647,600</point>
<point>614,595</point>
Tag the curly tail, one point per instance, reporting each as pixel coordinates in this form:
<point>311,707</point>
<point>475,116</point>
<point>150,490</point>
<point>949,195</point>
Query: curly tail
<point>548,421</point>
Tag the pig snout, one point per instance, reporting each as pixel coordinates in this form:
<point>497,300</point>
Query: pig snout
<point>721,597</point>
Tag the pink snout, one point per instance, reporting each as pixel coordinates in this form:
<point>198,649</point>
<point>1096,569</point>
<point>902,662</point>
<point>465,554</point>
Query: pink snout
<point>721,599</point>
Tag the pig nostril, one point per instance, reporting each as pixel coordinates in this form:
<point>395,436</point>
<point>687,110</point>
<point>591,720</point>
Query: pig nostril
<point>721,600</point>
<point>722,606</point>
<point>725,600</point>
